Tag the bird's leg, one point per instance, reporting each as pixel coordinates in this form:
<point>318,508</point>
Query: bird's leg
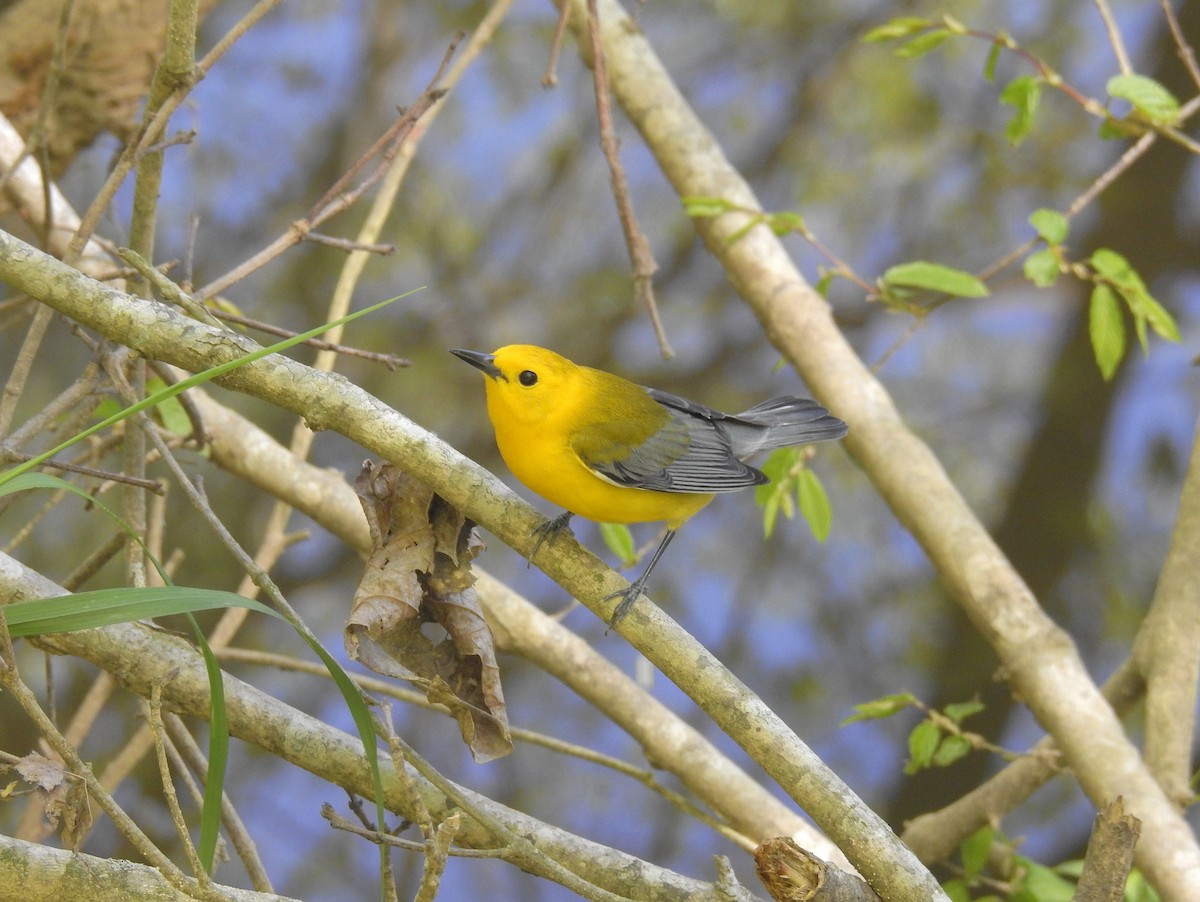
<point>630,595</point>
<point>548,530</point>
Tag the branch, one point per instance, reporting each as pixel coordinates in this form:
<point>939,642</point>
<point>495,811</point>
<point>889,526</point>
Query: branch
<point>242,448</point>
<point>1039,657</point>
<point>45,874</point>
<point>139,656</point>
<point>1167,648</point>
<point>327,401</point>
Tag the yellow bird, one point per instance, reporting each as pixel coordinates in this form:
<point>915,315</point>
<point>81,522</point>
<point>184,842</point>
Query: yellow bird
<point>616,452</point>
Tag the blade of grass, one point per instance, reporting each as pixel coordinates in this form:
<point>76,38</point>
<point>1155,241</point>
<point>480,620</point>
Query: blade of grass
<point>171,391</point>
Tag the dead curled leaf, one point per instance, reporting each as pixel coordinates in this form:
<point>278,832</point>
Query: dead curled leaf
<point>418,578</point>
<point>63,796</point>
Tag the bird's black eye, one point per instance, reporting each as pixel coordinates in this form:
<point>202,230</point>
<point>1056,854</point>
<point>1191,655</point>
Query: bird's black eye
<point>527,378</point>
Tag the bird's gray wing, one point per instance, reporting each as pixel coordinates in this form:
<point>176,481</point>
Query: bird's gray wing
<point>691,453</point>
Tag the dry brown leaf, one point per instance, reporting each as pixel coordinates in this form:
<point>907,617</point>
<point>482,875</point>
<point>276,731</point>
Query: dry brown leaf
<point>64,799</point>
<point>418,578</point>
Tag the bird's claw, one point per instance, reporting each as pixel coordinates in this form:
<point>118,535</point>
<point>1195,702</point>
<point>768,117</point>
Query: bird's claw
<point>628,598</point>
<point>548,530</point>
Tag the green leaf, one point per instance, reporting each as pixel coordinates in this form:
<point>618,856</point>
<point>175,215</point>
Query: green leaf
<point>104,607</point>
<point>1148,98</point>
<point>1023,93</point>
<point>824,282</point>
<point>1051,226</point>
<point>950,750</point>
<point>218,752</point>
<point>770,509</point>
<point>957,890</point>
<point>1114,268</point>
<point>923,43</point>
<point>1160,320</point>
<point>814,504</point>
<point>989,66</point>
<point>1041,268</point>
<point>1072,868</point>
<point>785,222</point>
<point>935,277</point>
<point>1112,129</point>
<point>701,207</point>
<point>878,708</point>
<point>1137,889</point>
<point>960,711</point>
<point>1041,884</point>
<point>1112,265</point>
<point>191,382</point>
<point>619,540</point>
<point>741,232</point>
<point>975,848</point>
<point>900,27</point>
<point>775,495</point>
<point>1107,329</point>
<point>922,743</point>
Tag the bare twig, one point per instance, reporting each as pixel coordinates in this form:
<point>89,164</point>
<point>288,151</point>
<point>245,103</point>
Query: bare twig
<point>550,79</point>
<point>341,823</point>
<point>168,785</point>
<point>151,129</point>
<point>1183,48</point>
<point>152,485</point>
<point>336,199</point>
<point>191,755</point>
<point>1114,36</point>
<point>345,244</point>
<point>640,255</point>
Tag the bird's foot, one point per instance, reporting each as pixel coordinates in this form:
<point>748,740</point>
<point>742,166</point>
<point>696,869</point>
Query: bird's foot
<point>628,598</point>
<point>548,530</point>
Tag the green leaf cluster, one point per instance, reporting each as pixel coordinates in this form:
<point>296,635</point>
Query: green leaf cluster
<point>1114,280</point>
<point>1024,879</point>
<point>937,741</point>
<point>793,486</point>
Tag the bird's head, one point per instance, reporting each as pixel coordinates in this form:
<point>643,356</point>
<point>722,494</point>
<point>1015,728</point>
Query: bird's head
<point>525,382</point>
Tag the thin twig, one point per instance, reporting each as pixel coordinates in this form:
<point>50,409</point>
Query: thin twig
<point>1114,36</point>
<point>21,693</point>
<point>1183,48</point>
<point>334,200</point>
<point>150,129</point>
<point>152,485</point>
<point>345,244</point>
<point>391,361</point>
<point>640,255</point>
<point>340,823</point>
<point>168,785</point>
<point>550,79</point>
<point>191,754</point>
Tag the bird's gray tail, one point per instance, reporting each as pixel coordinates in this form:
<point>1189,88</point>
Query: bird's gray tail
<point>781,422</point>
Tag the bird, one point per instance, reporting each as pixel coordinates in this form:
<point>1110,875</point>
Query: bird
<point>613,451</point>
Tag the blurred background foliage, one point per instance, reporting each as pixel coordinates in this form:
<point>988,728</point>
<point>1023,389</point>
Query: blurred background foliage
<point>507,219</point>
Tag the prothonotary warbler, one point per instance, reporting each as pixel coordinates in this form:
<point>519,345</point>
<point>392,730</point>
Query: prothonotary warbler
<point>616,452</point>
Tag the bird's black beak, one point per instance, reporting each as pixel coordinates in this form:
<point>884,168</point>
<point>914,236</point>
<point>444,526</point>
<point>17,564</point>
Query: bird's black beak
<point>479,360</point>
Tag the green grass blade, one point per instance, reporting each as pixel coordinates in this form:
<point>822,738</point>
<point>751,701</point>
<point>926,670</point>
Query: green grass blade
<point>171,391</point>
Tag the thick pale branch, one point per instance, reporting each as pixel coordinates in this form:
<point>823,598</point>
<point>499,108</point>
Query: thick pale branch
<point>1167,650</point>
<point>139,657</point>
<point>45,874</point>
<point>1040,658</point>
<point>328,401</point>
<point>520,628</point>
